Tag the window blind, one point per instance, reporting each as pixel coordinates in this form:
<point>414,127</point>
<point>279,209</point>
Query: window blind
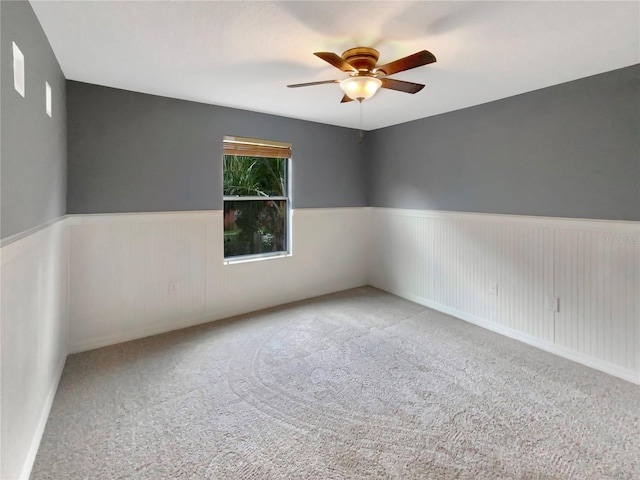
<point>250,147</point>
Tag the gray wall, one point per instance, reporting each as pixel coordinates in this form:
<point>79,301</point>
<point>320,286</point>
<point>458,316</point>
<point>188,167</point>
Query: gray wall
<point>571,150</point>
<point>33,151</point>
<point>132,152</point>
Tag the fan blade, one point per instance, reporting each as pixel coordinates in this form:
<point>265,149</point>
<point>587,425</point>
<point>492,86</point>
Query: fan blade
<point>346,99</point>
<point>296,85</point>
<point>401,85</point>
<point>336,61</point>
<point>407,63</point>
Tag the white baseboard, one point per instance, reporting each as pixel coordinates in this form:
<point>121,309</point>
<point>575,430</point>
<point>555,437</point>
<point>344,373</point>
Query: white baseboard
<point>42,423</point>
<point>616,371</point>
<point>148,331</point>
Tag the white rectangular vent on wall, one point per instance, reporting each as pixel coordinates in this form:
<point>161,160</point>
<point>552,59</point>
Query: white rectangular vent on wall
<point>18,69</point>
<point>47,91</point>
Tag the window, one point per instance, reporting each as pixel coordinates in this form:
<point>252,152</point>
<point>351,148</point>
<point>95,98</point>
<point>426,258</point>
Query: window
<point>257,202</point>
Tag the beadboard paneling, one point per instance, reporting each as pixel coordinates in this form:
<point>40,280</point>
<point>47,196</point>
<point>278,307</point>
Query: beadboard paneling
<point>122,269</point>
<point>34,341</point>
<point>450,261</point>
<point>597,280</point>
<point>134,275</point>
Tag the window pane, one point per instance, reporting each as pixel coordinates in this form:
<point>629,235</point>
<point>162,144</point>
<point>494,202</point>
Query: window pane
<point>254,226</point>
<point>254,176</point>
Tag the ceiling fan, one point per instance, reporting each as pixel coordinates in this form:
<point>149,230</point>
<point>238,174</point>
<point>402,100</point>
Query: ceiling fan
<point>365,78</point>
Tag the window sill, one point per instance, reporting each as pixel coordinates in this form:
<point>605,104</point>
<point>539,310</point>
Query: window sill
<point>256,258</point>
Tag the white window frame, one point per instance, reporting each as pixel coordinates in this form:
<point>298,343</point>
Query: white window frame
<point>287,198</point>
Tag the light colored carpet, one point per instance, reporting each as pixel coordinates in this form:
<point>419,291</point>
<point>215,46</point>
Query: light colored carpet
<point>359,384</point>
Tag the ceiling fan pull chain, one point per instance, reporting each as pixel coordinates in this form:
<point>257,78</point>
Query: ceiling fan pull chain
<point>361,132</point>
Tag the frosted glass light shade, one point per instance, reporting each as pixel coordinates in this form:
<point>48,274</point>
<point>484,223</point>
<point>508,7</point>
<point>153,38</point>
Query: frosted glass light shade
<point>360,88</point>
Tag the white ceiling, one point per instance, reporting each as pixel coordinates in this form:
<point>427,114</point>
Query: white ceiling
<point>242,54</point>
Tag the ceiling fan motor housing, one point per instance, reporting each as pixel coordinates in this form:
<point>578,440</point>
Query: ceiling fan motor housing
<point>363,58</point>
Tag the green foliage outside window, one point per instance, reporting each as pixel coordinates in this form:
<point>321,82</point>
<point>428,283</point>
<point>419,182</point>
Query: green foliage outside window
<point>254,226</point>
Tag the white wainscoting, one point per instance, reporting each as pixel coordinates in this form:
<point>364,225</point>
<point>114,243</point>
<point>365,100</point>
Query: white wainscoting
<point>134,275</point>
<point>34,341</point>
<point>124,276</point>
<point>450,261</point>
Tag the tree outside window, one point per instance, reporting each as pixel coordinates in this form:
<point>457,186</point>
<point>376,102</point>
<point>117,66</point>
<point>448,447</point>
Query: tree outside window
<point>256,201</point>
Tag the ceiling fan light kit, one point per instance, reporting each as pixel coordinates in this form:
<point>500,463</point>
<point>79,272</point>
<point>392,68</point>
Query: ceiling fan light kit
<point>365,79</point>
<point>360,87</point>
